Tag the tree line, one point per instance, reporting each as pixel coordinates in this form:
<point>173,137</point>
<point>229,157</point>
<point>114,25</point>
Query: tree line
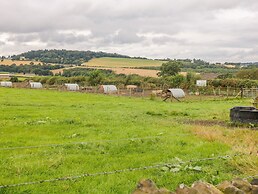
<point>65,56</point>
<point>44,69</point>
<point>169,77</point>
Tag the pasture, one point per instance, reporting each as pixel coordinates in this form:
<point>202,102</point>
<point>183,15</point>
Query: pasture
<point>78,133</point>
<point>122,62</point>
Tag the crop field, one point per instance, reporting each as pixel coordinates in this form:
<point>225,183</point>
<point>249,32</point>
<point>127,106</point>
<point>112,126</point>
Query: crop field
<point>16,62</point>
<point>79,142</point>
<point>118,70</point>
<point>122,62</point>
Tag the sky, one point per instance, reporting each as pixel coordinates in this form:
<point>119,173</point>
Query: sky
<point>216,31</point>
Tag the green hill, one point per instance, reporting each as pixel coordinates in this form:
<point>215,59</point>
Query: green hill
<point>64,56</point>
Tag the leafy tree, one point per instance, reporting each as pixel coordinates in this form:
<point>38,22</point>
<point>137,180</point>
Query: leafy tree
<point>14,79</point>
<point>190,80</point>
<point>225,76</point>
<point>37,69</point>
<point>177,80</point>
<point>170,68</point>
<point>248,74</point>
<point>95,77</point>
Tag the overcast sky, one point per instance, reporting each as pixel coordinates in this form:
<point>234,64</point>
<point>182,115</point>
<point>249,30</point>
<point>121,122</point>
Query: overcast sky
<point>214,30</point>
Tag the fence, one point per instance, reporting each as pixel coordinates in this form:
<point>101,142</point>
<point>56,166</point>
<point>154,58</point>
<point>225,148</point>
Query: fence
<point>252,92</point>
<point>156,166</point>
<point>147,92</point>
<point>228,91</point>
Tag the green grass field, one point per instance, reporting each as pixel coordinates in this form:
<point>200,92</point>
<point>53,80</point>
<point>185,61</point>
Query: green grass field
<point>41,117</point>
<point>122,62</point>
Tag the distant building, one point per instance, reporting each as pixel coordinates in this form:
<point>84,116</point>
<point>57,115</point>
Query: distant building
<point>201,83</point>
<point>176,92</point>
<point>5,76</point>
<point>131,86</point>
<point>35,85</point>
<point>72,87</point>
<point>6,84</point>
<point>108,89</point>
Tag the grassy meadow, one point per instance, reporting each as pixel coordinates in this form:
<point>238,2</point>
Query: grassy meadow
<point>178,131</point>
<point>122,62</point>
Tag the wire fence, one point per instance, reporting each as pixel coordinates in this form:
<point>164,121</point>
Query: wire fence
<point>93,141</point>
<point>117,171</point>
<point>157,91</point>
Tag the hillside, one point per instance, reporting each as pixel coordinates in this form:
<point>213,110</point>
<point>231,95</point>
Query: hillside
<point>64,56</point>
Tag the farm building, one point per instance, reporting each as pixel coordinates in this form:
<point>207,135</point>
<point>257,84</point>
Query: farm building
<point>108,89</point>
<point>176,92</point>
<point>35,85</point>
<point>6,84</point>
<point>5,76</point>
<point>129,87</point>
<point>72,87</point>
<point>201,83</point>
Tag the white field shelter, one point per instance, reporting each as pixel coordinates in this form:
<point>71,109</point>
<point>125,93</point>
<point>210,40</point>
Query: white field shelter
<point>35,85</point>
<point>201,83</point>
<point>177,92</point>
<point>108,89</point>
<point>129,87</point>
<point>72,87</point>
<point>6,84</point>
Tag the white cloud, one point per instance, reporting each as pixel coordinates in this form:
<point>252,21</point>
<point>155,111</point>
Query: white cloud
<point>213,30</point>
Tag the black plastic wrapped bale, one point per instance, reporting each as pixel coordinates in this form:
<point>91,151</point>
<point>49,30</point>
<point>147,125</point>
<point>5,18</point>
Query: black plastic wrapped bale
<point>244,114</point>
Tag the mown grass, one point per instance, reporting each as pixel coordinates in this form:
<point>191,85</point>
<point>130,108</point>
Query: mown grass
<point>40,117</point>
<point>122,62</point>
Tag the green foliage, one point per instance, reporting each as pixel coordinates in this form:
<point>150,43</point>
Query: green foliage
<point>37,69</point>
<point>248,74</point>
<point>95,78</point>
<point>64,56</point>
<point>177,81</point>
<point>14,79</point>
<point>191,80</point>
<point>225,76</point>
<point>232,82</point>
<point>170,68</point>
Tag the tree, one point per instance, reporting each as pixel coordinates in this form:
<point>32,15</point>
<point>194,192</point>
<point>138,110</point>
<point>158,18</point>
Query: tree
<point>177,80</point>
<point>170,68</point>
<point>95,77</point>
<point>14,79</point>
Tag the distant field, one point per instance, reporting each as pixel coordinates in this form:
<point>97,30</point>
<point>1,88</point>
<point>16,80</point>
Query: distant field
<point>117,70</point>
<point>122,62</point>
<point>168,132</point>
<point>10,62</point>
